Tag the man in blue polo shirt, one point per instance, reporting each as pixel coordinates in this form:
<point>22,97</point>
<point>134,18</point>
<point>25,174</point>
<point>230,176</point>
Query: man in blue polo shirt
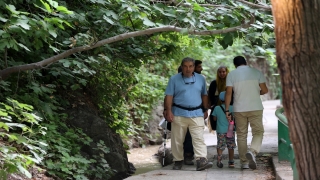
<point>186,103</point>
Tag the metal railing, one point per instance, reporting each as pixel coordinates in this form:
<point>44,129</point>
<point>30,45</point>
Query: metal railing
<point>285,147</point>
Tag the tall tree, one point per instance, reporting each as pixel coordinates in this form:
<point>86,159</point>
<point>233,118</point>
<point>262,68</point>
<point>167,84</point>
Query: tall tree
<point>297,29</point>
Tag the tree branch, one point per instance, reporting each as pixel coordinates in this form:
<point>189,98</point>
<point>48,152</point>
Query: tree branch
<point>172,2</point>
<point>266,8</point>
<point>208,5</point>
<point>8,71</point>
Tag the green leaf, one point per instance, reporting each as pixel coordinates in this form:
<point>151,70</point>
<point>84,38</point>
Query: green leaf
<point>4,125</point>
<point>12,9</point>
<point>23,46</point>
<point>108,20</point>
<point>147,22</point>
<point>65,63</point>
<point>257,26</point>
<point>197,7</point>
<point>3,19</point>
<point>16,125</point>
<point>169,14</point>
<point>103,2</point>
<point>24,171</point>
<point>52,31</point>
<point>260,49</point>
<point>24,106</point>
<point>75,86</point>
<point>23,23</point>
<point>47,6</point>
<point>53,3</point>
<point>10,43</point>
<point>36,89</point>
<point>64,10</point>
<point>113,14</point>
<point>12,137</point>
<point>228,39</point>
<point>3,43</point>
<point>3,33</point>
<point>54,49</point>
<point>21,139</point>
<point>3,113</point>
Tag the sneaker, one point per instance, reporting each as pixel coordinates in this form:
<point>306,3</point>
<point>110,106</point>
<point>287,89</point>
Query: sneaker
<point>177,165</point>
<point>203,164</point>
<point>252,160</point>
<point>231,164</point>
<point>244,166</point>
<point>188,160</point>
<point>219,163</point>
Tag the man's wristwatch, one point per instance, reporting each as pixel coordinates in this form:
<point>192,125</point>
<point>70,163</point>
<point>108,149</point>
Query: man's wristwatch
<point>205,109</point>
<point>226,111</point>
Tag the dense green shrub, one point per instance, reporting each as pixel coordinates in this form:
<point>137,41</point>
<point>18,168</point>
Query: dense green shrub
<point>20,130</point>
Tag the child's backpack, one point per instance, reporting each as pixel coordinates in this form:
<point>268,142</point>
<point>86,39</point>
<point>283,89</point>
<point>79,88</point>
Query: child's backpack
<point>213,123</point>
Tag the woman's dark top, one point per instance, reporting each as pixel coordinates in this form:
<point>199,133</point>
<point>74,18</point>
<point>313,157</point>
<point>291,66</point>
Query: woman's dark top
<point>213,98</point>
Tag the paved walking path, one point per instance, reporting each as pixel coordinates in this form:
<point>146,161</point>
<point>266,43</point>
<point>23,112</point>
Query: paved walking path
<point>269,148</point>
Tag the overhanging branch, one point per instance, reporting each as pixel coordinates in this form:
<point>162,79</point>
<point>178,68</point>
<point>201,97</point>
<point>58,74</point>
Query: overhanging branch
<point>175,3</point>
<point>8,71</point>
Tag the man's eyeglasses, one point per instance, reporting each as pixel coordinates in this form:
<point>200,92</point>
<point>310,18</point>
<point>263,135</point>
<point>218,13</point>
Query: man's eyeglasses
<point>193,78</point>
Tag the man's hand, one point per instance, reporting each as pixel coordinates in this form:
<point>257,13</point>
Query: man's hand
<point>164,113</point>
<point>263,88</point>
<point>205,114</point>
<point>168,115</point>
<point>228,116</point>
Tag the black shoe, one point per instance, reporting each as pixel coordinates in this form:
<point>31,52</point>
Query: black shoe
<point>219,163</point>
<point>203,164</point>
<point>177,165</point>
<point>188,160</point>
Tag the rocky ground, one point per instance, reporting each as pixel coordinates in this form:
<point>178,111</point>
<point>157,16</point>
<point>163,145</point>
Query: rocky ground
<point>37,174</point>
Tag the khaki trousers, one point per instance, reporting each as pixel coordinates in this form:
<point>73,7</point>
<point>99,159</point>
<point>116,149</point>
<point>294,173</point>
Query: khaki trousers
<point>243,119</point>
<point>178,132</point>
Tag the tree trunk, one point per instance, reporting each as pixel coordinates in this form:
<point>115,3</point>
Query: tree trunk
<point>297,29</point>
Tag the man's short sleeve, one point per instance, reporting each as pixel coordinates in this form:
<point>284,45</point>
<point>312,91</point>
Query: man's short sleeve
<point>262,79</point>
<point>170,87</point>
<point>204,89</point>
<point>203,82</point>
<point>229,80</point>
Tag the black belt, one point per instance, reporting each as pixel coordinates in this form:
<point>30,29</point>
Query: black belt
<point>189,109</point>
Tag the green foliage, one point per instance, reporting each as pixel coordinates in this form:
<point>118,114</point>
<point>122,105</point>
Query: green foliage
<point>218,56</point>
<point>123,79</point>
<point>19,131</point>
<point>102,169</point>
<point>64,159</point>
<point>143,97</point>
<point>26,31</point>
